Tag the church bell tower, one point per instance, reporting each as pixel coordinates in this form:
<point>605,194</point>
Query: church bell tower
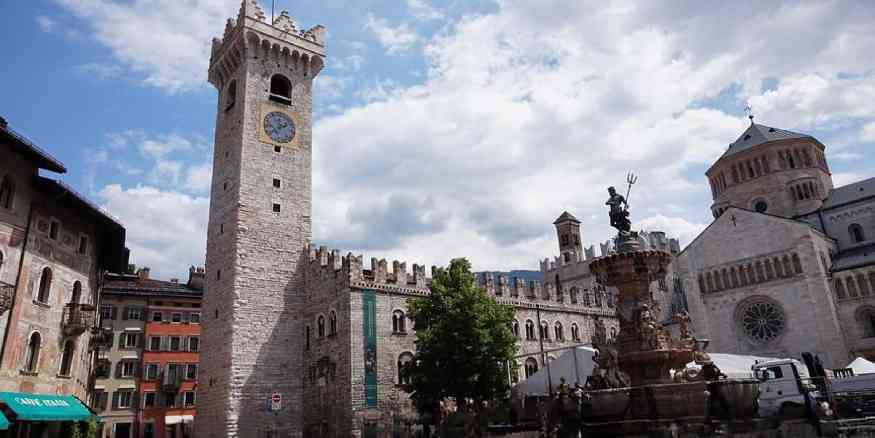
<point>250,378</point>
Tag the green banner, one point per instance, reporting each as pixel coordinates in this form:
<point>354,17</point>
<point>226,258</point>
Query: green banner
<point>369,299</point>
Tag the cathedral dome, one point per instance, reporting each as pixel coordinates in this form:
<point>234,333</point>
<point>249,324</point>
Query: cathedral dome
<point>771,170</point>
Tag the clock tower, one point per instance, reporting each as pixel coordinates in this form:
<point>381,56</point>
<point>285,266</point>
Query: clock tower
<point>259,225</point>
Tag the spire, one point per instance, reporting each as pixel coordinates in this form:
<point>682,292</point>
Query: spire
<point>749,110</point>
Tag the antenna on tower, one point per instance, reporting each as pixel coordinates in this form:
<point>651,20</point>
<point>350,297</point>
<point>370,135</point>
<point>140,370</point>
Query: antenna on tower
<point>272,7</point>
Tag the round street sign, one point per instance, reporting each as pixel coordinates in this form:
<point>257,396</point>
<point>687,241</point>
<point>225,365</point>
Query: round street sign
<point>276,401</point>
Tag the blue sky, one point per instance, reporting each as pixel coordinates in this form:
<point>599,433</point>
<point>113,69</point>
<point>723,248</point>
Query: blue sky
<point>458,128</point>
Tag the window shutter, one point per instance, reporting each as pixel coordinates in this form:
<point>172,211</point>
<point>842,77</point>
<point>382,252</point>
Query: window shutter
<point>186,317</point>
<point>148,346</point>
<point>125,313</point>
<point>166,379</point>
<point>137,369</point>
<point>165,343</point>
<point>142,313</point>
<point>121,340</point>
<point>115,400</point>
<point>135,400</point>
<point>112,314</point>
<point>104,397</point>
<point>141,337</point>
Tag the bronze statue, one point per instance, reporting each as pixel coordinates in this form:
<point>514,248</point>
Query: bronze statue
<point>608,375</point>
<point>647,328</point>
<point>619,212</point>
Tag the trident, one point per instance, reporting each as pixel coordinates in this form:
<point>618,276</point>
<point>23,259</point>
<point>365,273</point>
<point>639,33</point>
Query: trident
<point>631,178</point>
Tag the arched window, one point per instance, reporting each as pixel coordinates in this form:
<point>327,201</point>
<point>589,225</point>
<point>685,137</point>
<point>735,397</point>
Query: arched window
<point>863,285</point>
<point>779,270</point>
<point>45,286</point>
<point>856,232</point>
<point>399,322</point>
<point>67,358</point>
<point>231,95</point>
<point>852,287</point>
<point>761,276</point>
<point>332,323</point>
<point>77,292</point>
<point>559,332</point>
<point>770,272</point>
<point>307,338</point>
<point>575,332</point>
<point>516,329</point>
<point>544,332</point>
<point>7,192</point>
<point>531,367</point>
<point>797,264</point>
<point>613,334</point>
<point>31,358</point>
<point>866,319</point>
<point>404,362</point>
<point>702,283</point>
<point>281,89</point>
<point>1,261</point>
<point>574,292</point>
<point>320,326</point>
<point>530,330</point>
<point>840,288</point>
<point>788,268</point>
<point>515,372</point>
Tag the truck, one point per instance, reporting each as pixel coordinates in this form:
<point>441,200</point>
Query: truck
<point>788,389</point>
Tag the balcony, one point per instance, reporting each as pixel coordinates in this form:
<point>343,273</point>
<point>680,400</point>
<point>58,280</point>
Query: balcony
<point>101,338</point>
<point>170,381</point>
<point>7,294</point>
<point>77,319</point>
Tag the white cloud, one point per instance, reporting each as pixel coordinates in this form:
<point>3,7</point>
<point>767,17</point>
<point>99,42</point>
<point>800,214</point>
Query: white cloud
<point>199,177</point>
<point>46,24</point>
<point>395,39</point>
<point>166,41</point>
<point>166,172</point>
<point>844,178</point>
<point>537,107</point>
<point>158,148</point>
<point>867,133</point>
<point>422,10</point>
<point>166,230</point>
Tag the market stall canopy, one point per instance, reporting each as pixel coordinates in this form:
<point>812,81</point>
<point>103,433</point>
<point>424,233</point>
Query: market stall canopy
<point>4,423</point>
<point>862,366</point>
<point>42,407</point>
<point>574,365</point>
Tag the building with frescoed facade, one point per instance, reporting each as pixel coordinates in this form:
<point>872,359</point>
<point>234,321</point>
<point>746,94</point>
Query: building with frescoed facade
<point>54,246</point>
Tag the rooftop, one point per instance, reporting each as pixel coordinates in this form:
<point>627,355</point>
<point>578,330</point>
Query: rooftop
<point>565,217</point>
<point>757,134</point>
<point>32,152</point>
<point>850,193</point>
<point>131,284</point>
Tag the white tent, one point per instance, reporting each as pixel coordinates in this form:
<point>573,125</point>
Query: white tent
<point>735,366</point>
<point>862,366</point>
<point>575,365</point>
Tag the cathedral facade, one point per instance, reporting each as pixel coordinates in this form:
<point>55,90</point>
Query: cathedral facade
<point>788,265</point>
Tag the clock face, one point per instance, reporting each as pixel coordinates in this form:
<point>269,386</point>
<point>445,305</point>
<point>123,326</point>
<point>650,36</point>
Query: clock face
<point>279,127</point>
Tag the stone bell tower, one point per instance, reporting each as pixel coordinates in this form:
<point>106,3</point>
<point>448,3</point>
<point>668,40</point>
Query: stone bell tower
<point>259,225</point>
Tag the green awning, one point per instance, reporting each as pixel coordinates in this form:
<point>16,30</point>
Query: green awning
<point>4,423</point>
<point>40,407</point>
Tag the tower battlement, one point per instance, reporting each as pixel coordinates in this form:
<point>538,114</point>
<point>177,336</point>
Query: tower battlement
<point>301,50</point>
<point>329,266</point>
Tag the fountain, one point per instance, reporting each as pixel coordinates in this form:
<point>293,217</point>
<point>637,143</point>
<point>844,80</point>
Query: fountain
<point>634,391</point>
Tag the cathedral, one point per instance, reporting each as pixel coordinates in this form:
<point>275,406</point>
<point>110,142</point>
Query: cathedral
<point>788,265</point>
<point>300,340</point>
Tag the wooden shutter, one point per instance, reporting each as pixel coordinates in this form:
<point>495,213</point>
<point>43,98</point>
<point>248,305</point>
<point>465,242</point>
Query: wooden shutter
<point>112,313</point>
<point>103,400</point>
<point>135,400</point>
<point>185,317</point>
<point>141,337</point>
<point>121,340</point>
<point>142,313</point>
<point>165,343</point>
<point>115,400</point>
<point>125,313</point>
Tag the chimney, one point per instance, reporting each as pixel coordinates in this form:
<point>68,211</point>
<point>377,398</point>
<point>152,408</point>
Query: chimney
<point>196,277</point>
<point>143,273</point>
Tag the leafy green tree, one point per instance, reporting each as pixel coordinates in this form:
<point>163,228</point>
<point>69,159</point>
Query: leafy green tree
<point>74,430</point>
<point>91,427</point>
<point>464,341</point>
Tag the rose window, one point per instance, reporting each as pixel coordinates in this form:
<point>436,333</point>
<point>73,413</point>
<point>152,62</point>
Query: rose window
<point>762,321</point>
